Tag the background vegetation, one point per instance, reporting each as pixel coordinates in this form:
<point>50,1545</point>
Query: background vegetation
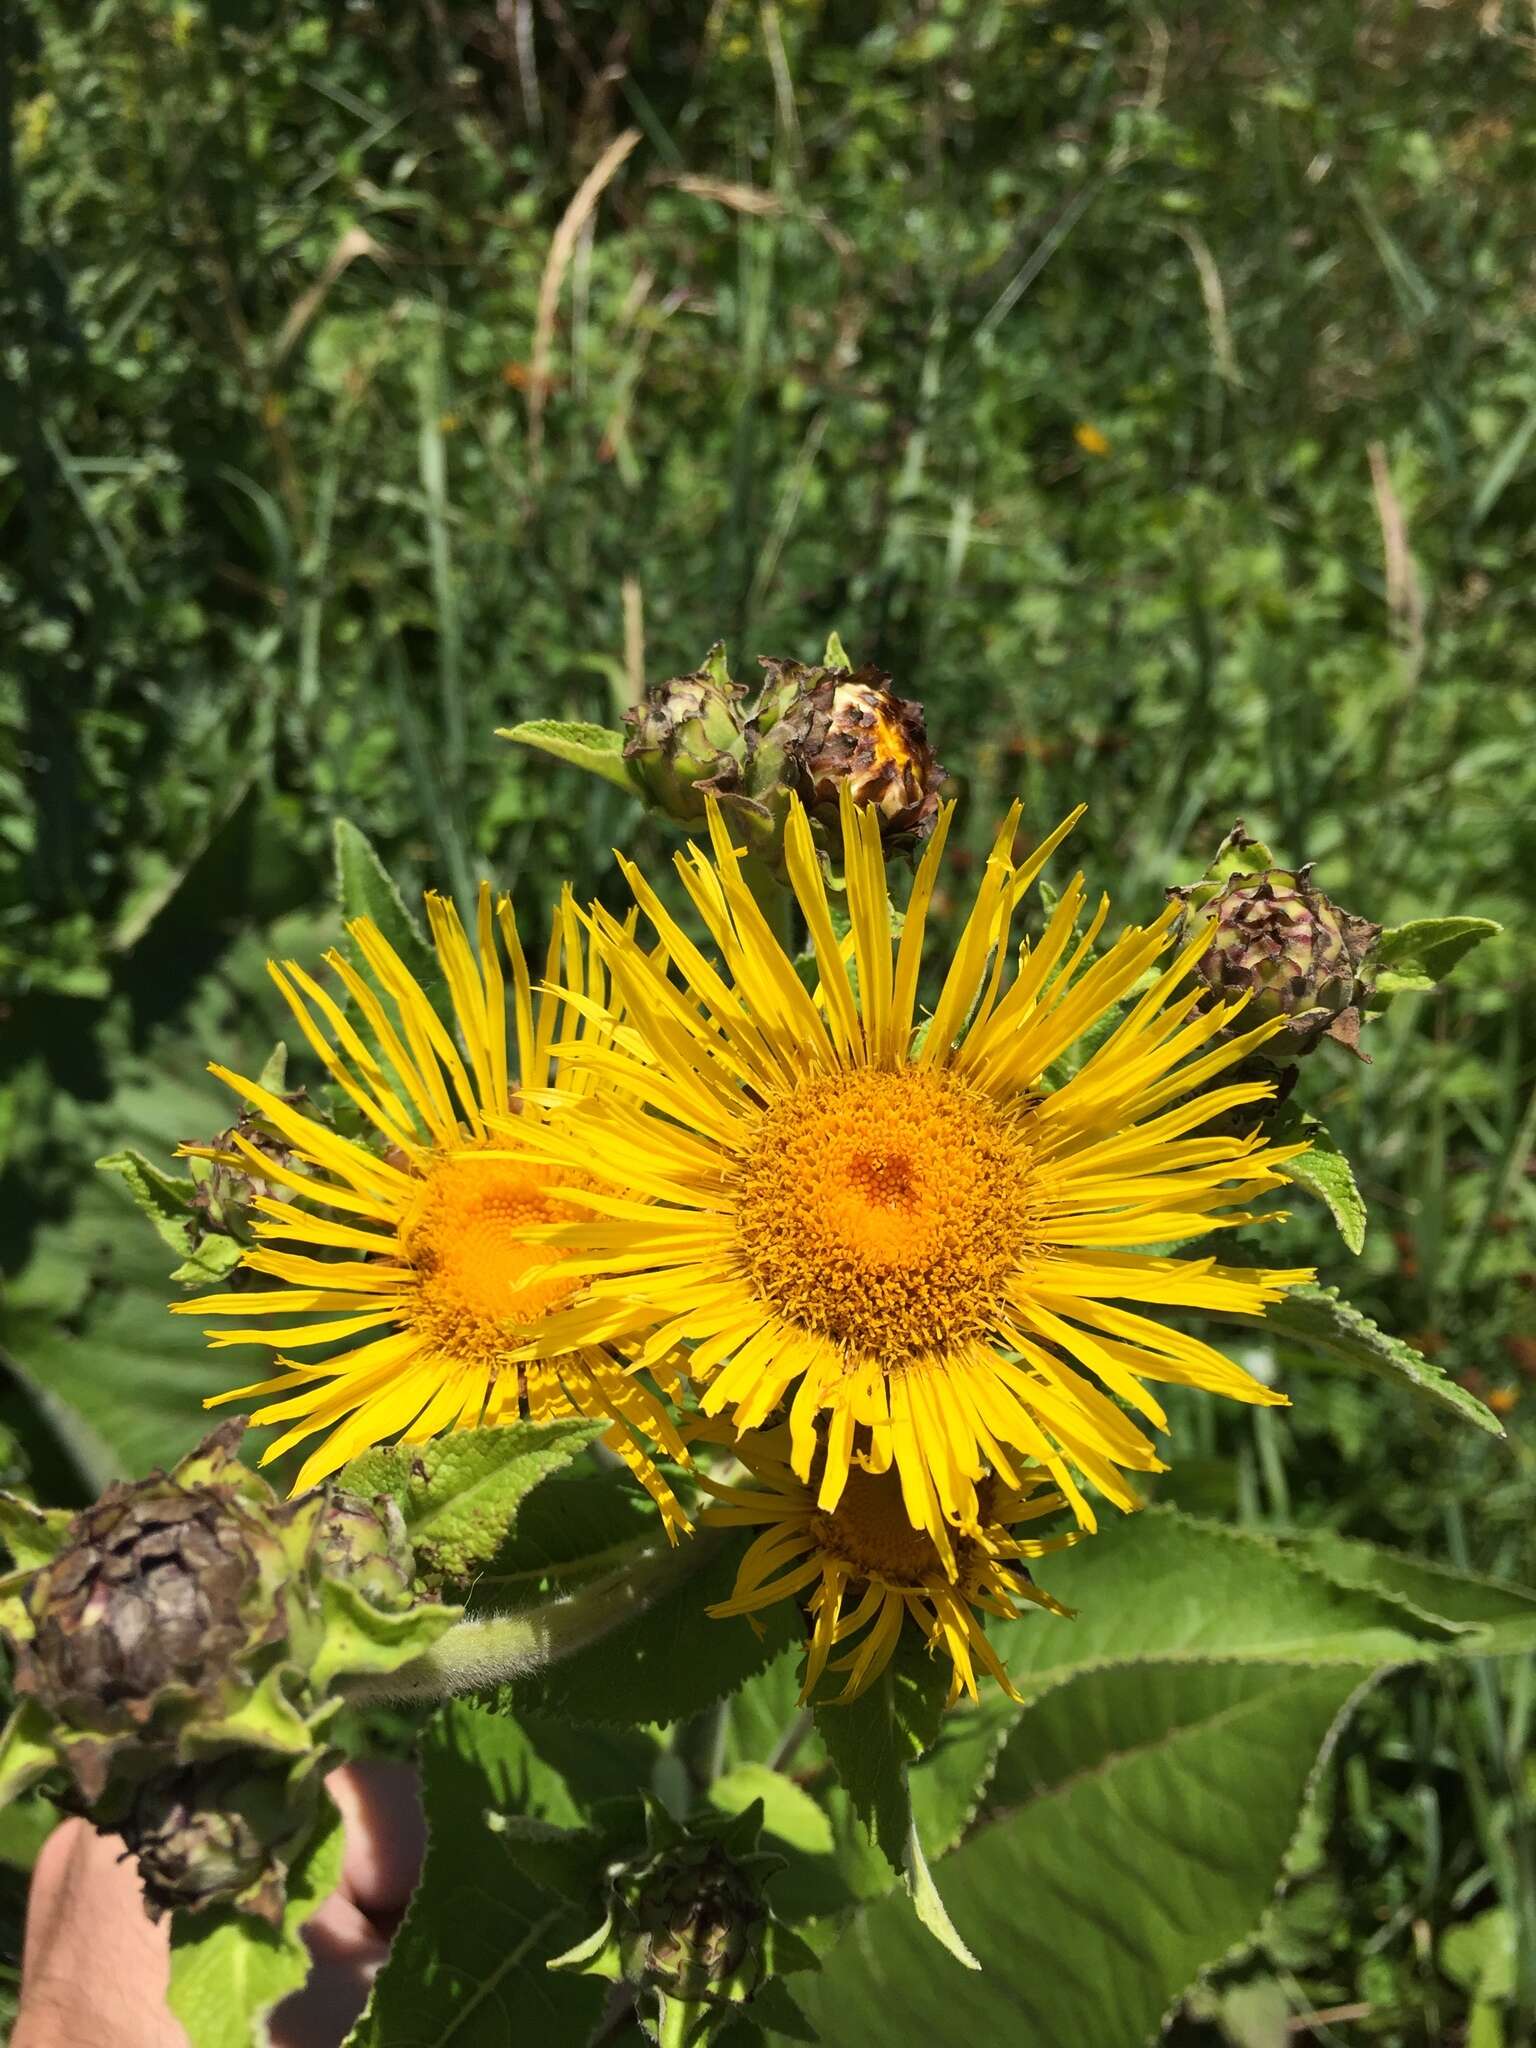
<point>1151,394</point>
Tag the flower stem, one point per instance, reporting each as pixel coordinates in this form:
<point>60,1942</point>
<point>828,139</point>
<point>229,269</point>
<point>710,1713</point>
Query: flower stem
<point>494,1649</point>
<point>773,898</point>
<point>679,2017</point>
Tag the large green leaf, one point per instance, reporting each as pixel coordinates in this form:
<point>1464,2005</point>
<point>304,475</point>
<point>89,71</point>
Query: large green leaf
<point>1135,1831</point>
<point>87,1329</point>
<point>1317,1320</point>
<point>228,1970</point>
<point>460,1494</point>
<point>467,1967</point>
<point>1497,1617</point>
<point>672,1659</point>
<point>1160,1586</point>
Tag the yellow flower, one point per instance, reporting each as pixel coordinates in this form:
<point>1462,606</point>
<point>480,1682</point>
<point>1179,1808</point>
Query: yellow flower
<point>870,1569</point>
<point>1090,439</point>
<point>940,1257</point>
<point>420,1260</point>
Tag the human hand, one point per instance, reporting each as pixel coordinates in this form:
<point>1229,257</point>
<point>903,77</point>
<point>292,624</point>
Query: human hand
<point>95,1971</point>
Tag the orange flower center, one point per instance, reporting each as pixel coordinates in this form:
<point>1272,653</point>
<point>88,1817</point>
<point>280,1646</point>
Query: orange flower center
<point>887,1210</point>
<point>869,1530</point>
<point>479,1280</point>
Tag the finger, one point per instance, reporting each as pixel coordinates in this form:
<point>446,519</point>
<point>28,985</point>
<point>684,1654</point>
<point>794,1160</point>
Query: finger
<point>347,1950</point>
<point>94,1968</point>
<point>386,1836</point>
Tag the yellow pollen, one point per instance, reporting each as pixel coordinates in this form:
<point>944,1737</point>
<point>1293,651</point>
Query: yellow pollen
<point>466,1240</point>
<point>869,1530</point>
<point>886,1211</point>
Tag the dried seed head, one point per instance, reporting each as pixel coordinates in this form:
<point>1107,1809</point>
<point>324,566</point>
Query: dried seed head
<point>842,727</point>
<point>218,1834</point>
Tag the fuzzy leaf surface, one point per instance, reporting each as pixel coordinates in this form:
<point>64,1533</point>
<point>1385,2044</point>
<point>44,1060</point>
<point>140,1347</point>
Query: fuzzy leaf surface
<point>365,888</point>
<point>1418,955</point>
<point>1319,1321</point>
<point>1326,1173</point>
<point>1135,1832</point>
<point>1161,1586</point>
<point>460,1494</point>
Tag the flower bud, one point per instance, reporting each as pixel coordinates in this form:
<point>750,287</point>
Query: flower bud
<point>220,1834</point>
<point>365,1543</point>
<point>227,1196</point>
<point>688,1920</point>
<point>846,726</point>
<point>696,1915</point>
<point>1275,938</point>
<point>688,740</point>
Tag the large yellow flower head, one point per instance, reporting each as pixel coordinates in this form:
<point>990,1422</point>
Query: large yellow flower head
<point>940,1260</point>
<point>416,1269</point>
<point>864,1573</point>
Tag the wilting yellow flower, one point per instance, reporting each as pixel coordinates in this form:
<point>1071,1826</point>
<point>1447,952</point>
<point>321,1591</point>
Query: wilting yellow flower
<point>940,1257</point>
<point>861,1569</point>
<point>420,1252</point>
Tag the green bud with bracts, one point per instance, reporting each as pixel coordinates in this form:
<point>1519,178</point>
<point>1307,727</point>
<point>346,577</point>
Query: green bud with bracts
<point>688,1920</point>
<point>688,740</point>
<point>1274,937</point>
<point>365,1543</point>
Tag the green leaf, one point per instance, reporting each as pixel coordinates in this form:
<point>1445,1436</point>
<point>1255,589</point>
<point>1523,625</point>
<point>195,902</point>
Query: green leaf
<point>214,1259</point>
<point>362,1640</point>
<point>930,1908</point>
<point>165,1198</point>
<point>229,1970</point>
<point>670,1661</point>
<point>31,1534</point>
<point>951,1781</point>
<point>460,1494</point>
<point>1319,1321</point>
<point>1481,1954</point>
<point>836,655</point>
<point>596,748</point>
<point>574,1522</point>
<point>1160,1586</point>
<point>365,888</point>
<point>873,1739</point>
<point>790,1815</point>
<point>1418,955</point>
<point>1141,1817</point>
<point>27,1752</point>
<point>1496,1617</point>
<point>467,1967</point>
<point>85,1329</point>
<point>1325,1172</point>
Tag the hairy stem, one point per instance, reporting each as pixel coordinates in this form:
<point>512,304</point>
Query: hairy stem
<point>494,1649</point>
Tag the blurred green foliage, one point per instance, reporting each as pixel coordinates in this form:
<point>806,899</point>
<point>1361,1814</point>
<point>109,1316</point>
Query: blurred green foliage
<point>1152,394</point>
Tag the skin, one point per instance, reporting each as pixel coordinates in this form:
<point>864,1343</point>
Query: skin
<point>94,1970</point>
